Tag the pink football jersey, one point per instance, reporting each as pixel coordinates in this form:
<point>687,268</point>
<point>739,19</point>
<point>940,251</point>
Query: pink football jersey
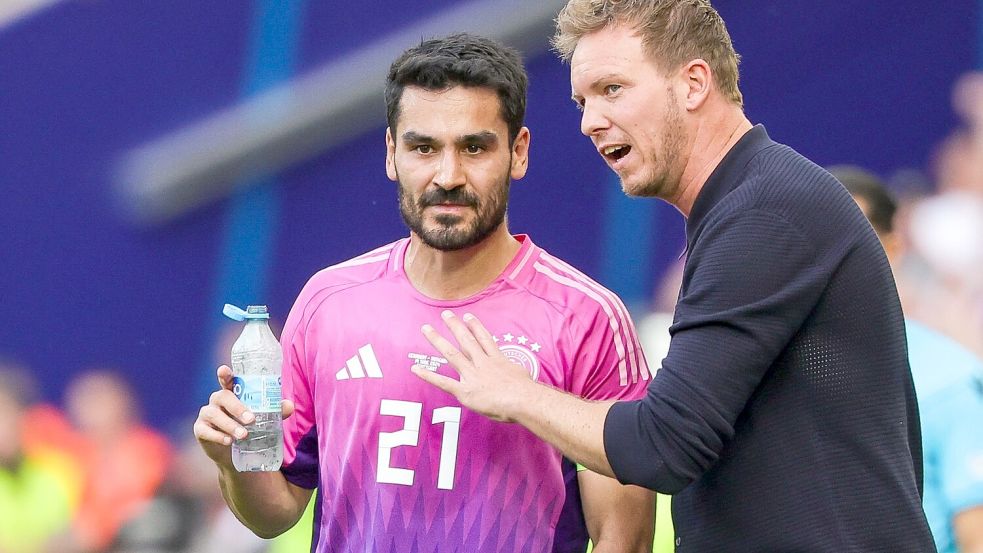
<point>399,465</point>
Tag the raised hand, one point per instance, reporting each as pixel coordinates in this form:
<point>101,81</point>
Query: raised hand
<point>488,382</point>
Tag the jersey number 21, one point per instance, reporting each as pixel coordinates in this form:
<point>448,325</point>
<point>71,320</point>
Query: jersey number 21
<point>412,413</point>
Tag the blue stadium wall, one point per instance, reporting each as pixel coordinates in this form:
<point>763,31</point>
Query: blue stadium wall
<point>81,82</point>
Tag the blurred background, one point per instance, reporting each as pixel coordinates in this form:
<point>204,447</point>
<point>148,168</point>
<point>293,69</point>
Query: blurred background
<point>160,159</point>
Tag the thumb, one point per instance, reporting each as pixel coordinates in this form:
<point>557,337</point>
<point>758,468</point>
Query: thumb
<point>286,408</point>
<point>224,374</point>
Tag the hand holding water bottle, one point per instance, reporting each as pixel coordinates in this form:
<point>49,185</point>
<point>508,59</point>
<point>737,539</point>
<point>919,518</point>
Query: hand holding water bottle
<point>246,412</point>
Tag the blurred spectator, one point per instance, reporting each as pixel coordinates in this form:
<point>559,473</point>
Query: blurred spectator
<point>192,487</point>
<point>653,332</point>
<point>943,271</point>
<point>960,164</point>
<point>949,384</point>
<point>188,514</point>
<point>122,462</point>
<point>653,328</point>
<point>943,274</point>
<point>36,486</point>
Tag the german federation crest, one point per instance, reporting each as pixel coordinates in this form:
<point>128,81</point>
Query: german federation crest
<point>520,351</point>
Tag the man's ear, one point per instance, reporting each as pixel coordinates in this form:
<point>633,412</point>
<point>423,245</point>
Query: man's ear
<point>390,155</point>
<point>699,82</point>
<point>520,154</point>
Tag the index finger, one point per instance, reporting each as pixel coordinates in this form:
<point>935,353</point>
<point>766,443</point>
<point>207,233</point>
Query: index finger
<point>454,356</point>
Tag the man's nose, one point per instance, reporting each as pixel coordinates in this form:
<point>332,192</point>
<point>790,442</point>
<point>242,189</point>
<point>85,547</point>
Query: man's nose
<point>450,172</point>
<point>592,120</point>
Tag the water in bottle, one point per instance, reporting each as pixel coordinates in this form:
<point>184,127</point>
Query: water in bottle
<point>256,364</point>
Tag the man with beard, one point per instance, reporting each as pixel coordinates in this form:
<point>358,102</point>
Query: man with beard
<point>399,465</point>
<point>784,416</point>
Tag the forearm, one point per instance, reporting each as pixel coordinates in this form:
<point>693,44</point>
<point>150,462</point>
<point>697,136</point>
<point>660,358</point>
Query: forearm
<point>627,525</point>
<point>621,544</point>
<point>620,519</point>
<point>636,433</point>
<point>571,424</point>
<point>663,442</point>
<point>265,502</point>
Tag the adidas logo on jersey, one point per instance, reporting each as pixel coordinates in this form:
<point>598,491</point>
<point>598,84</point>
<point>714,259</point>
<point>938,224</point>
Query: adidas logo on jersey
<point>361,365</point>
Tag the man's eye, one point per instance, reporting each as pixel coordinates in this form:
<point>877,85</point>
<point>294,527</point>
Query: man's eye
<point>424,149</point>
<point>473,149</point>
<point>611,89</point>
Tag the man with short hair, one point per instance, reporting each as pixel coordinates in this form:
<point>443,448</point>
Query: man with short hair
<point>38,486</point>
<point>400,466</point>
<point>783,417</point>
<point>949,382</point>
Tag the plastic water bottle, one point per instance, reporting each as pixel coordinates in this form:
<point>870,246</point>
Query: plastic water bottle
<point>256,364</point>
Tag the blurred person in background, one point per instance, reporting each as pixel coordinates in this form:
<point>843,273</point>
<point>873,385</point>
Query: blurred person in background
<point>653,331</point>
<point>962,168</point>
<point>122,462</point>
<point>949,385</point>
<point>943,271</point>
<point>188,514</point>
<point>38,486</point>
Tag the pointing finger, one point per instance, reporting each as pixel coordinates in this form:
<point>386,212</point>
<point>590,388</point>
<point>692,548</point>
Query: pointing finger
<point>221,421</point>
<point>206,433</point>
<point>456,359</point>
<point>445,383</point>
<point>230,404</point>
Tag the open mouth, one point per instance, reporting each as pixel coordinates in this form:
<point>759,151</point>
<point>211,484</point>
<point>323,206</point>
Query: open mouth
<point>616,152</point>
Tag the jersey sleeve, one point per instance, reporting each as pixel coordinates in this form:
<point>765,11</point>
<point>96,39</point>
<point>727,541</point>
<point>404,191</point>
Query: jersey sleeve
<point>607,361</point>
<point>300,447</point>
<point>753,278</point>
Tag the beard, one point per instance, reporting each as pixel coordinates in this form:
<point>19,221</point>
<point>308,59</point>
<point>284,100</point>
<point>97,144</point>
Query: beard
<point>663,182</point>
<point>452,232</point>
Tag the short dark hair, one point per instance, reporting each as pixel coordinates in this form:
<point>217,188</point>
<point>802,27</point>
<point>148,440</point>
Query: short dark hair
<point>17,384</point>
<point>466,60</point>
<point>865,185</point>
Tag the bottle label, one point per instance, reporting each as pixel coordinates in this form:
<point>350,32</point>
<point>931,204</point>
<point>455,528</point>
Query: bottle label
<point>260,393</point>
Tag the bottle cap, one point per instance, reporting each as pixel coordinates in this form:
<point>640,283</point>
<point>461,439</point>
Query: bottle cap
<point>252,313</point>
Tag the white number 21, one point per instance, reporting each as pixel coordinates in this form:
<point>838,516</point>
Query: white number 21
<point>412,412</point>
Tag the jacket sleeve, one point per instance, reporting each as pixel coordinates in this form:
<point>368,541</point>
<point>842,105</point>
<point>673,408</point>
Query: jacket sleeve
<point>750,282</point>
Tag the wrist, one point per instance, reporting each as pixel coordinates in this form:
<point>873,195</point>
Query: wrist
<point>524,402</point>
